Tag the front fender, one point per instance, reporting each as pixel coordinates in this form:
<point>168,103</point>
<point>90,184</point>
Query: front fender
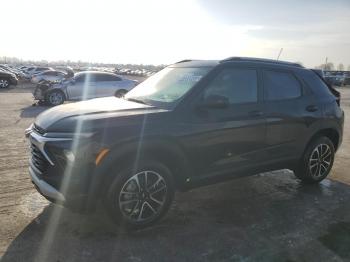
<point>132,152</point>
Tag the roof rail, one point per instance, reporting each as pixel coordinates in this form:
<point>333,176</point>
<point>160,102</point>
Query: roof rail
<point>262,60</point>
<point>183,61</point>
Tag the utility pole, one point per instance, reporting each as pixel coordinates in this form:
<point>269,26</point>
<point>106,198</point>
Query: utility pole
<point>279,54</point>
<point>325,64</point>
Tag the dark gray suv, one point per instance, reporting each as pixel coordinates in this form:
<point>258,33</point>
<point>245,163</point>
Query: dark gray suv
<point>193,123</point>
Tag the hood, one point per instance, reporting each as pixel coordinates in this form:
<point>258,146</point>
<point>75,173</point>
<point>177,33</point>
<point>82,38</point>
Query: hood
<point>94,108</point>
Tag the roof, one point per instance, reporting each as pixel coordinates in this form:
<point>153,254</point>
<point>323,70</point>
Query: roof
<point>212,63</point>
<point>95,73</point>
<point>196,63</point>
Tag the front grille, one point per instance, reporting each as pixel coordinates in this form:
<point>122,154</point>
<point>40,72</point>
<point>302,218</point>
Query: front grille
<point>38,159</point>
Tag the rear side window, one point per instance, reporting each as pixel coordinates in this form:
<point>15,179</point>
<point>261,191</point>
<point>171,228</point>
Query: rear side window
<point>106,77</point>
<point>280,86</point>
<point>238,85</point>
<point>315,83</point>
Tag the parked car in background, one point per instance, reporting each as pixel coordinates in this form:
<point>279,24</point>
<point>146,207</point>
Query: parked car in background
<point>191,124</point>
<point>7,79</point>
<point>84,85</point>
<point>50,76</point>
<point>347,80</point>
<point>36,70</point>
<point>16,72</point>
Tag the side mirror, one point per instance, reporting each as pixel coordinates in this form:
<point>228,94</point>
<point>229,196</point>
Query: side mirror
<point>215,102</point>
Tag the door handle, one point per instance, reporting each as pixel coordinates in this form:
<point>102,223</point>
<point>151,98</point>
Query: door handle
<point>255,113</point>
<point>311,108</point>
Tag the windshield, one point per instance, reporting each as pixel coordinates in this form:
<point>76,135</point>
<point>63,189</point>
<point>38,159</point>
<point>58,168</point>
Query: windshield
<point>168,86</point>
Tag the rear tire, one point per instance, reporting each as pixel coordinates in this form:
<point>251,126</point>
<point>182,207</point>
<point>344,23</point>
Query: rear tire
<point>317,161</point>
<point>55,98</point>
<point>139,198</point>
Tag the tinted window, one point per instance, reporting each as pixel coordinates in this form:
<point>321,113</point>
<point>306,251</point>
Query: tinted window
<point>42,68</point>
<point>238,85</point>
<point>106,77</point>
<point>51,73</point>
<point>280,85</point>
<point>315,83</point>
<point>89,77</point>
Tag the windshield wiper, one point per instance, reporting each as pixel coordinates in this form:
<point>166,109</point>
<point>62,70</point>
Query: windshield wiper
<point>136,100</point>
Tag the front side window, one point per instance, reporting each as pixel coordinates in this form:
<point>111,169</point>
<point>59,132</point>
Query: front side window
<point>280,86</point>
<point>238,85</point>
<point>168,86</point>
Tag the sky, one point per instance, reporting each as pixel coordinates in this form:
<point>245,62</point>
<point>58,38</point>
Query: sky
<point>166,31</point>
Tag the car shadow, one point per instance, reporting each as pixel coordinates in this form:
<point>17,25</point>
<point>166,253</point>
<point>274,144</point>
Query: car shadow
<point>32,110</point>
<point>267,217</point>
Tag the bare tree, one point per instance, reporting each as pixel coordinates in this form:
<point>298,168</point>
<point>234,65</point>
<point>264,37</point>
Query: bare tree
<point>328,66</point>
<point>340,67</point>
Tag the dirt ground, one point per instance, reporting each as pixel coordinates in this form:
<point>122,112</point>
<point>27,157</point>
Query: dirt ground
<point>267,217</point>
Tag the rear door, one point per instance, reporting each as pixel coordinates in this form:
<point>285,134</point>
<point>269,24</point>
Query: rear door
<point>83,87</point>
<point>107,85</point>
<point>286,107</point>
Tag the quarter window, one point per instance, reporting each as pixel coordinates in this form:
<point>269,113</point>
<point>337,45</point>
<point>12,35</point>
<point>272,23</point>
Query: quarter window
<point>280,86</point>
<point>238,85</point>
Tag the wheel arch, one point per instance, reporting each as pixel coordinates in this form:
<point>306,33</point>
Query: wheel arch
<point>164,151</point>
<point>330,133</point>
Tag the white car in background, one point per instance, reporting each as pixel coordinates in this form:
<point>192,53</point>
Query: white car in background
<point>84,85</point>
<point>51,76</point>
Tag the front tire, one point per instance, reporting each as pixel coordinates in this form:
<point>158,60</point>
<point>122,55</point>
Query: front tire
<point>317,161</point>
<point>55,98</point>
<point>4,83</point>
<point>139,198</point>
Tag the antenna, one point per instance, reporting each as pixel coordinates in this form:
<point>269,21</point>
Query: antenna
<point>279,54</point>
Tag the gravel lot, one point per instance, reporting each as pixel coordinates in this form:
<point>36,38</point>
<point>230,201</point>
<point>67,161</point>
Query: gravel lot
<point>267,217</point>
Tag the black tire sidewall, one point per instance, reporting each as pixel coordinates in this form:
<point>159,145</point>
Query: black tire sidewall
<point>116,184</point>
<point>304,172</point>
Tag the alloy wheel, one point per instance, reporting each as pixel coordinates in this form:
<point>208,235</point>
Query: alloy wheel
<point>55,98</point>
<point>4,83</point>
<point>320,160</point>
<point>143,196</point>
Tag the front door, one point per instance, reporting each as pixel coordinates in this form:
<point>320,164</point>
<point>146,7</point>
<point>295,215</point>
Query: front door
<point>232,138</point>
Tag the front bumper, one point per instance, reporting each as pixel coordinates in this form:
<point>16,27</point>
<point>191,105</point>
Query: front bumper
<point>44,188</point>
<point>67,185</point>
